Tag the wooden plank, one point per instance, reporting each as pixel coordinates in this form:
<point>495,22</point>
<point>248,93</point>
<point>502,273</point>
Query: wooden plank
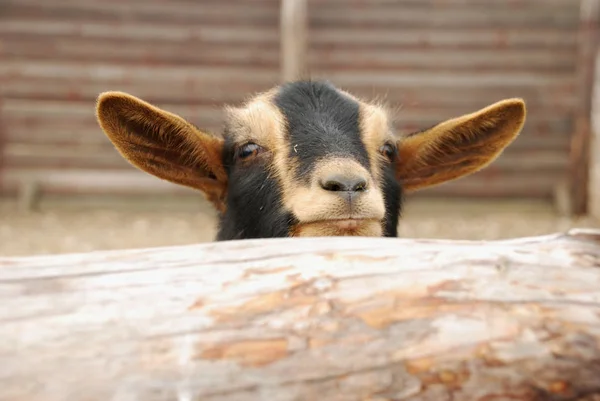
<point>226,13</point>
<point>446,79</point>
<point>580,143</point>
<point>118,73</point>
<point>185,53</point>
<point>54,132</point>
<point>86,110</point>
<point>141,3</point>
<point>136,5</point>
<point>306,318</point>
<point>216,34</point>
<point>81,181</point>
<point>557,98</point>
<point>430,115</point>
<point>66,155</point>
<point>379,37</point>
<point>328,14</point>
<point>514,4</point>
<point>539,133</point>
<point>433,38</point>
<point>502,60</point>
<point>483,185</point>
<point>191,52</point>
<point>214,93</point>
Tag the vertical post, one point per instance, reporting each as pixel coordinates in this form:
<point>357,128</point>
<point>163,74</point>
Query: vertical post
<point>2,146</point>
<point>294,38</point>
<point>594,181</point>
<point>580,141</point>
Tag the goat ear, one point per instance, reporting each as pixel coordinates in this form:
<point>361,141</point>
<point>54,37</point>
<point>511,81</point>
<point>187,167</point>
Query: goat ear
<point>459,146</point>
<point>163,144</point>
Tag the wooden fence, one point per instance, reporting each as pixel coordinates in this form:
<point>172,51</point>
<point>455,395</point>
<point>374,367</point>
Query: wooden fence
<point>432,59</point>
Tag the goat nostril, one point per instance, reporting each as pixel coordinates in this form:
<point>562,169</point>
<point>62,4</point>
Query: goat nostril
<point>344,184</point>
<point>360,186</point>
<point>332,186</point>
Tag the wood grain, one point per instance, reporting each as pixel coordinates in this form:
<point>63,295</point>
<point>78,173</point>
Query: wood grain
<point>287,319</point>
<point>294,39</point>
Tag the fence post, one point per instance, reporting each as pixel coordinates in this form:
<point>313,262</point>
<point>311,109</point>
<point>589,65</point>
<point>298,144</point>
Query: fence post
<point>594,180</point>
<point>2,146</point>
<point>294,37</point>
<point>579,171</point>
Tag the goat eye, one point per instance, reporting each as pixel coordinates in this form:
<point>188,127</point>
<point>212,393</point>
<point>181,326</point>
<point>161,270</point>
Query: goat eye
<point>389,151</point>
<point>247,150</point>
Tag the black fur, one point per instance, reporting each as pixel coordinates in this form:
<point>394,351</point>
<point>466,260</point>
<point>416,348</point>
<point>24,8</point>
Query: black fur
<point>393,198</point>
<point>254,208</point>
<point>321,122</point>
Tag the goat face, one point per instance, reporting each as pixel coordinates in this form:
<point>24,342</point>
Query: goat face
<point>305,158</point>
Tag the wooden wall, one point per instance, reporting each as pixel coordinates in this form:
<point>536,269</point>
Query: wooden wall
<point>57,55</point>
<point>433,59</point>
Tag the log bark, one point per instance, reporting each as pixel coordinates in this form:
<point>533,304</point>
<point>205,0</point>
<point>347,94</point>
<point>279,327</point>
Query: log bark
<point>306,319</point>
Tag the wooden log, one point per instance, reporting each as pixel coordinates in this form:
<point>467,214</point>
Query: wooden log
<point>306,319</point>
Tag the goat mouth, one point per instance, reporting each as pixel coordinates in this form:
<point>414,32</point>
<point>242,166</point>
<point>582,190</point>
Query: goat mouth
<point>339,227</point>
<point>349,224</point>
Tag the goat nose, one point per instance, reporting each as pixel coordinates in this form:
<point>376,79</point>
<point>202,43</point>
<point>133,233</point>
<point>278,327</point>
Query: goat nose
<point>344,183</point>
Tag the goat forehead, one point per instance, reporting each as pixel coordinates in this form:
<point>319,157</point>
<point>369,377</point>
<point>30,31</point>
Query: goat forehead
<point>320,122</point>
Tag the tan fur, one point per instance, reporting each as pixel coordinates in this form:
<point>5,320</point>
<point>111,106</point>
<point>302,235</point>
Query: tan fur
<point>177,152</point>
<point>367,228</point>
<point>375,131</point>
<point>459,146</point>
<point>312,205</point>
<point>260,121</point>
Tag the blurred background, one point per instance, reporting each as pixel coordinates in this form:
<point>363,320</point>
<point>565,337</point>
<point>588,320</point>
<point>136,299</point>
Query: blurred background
<point>65,188</point>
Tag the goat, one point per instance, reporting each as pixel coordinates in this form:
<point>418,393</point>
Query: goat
<point>306,158</point>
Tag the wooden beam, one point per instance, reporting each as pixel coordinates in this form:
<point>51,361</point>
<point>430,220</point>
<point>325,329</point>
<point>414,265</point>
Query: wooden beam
<point>3,136</point>
<point>580,141</point>
<point>594,181</point>
<point>305,319</point>
<point>294,37</point>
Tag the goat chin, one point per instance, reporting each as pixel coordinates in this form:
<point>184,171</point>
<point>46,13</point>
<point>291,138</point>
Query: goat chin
<point>339,227</point>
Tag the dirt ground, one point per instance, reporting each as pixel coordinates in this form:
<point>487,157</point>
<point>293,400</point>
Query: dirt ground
<point>62,226</point>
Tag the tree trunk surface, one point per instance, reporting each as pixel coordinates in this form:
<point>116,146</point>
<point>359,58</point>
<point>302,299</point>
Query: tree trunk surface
<point>339,319</point>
